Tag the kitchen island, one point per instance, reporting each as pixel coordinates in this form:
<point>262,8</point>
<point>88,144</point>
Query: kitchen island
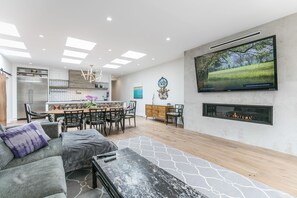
<point>61,105</point>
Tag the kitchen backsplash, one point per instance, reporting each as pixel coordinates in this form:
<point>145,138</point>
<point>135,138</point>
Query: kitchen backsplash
<point>56,95</point>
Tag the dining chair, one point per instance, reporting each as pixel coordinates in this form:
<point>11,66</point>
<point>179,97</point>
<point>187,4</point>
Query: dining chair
<point>175,112</point>
<point>115,115</point>
<point>72,119</point>
<point>97,118</point>
<point>131,112</point>
<point>34,115</point>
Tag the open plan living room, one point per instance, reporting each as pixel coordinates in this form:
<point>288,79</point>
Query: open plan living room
<point>148,99</point>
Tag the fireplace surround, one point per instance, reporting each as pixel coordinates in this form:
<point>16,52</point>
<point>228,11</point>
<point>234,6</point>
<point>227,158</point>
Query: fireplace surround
<point>247,113</point>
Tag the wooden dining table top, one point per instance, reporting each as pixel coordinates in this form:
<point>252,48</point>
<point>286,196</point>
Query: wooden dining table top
<point>86,110</point>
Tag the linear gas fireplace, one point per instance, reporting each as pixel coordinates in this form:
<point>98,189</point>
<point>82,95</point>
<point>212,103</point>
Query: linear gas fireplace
<point>246,113</point>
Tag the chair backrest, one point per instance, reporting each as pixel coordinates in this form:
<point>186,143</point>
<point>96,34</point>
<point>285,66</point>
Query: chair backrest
<point>97,114</point>
<point>73,117</point>
<point>28,111</point>
<point>116,113</point>
<point>132,107</point>
<point>179,108</point>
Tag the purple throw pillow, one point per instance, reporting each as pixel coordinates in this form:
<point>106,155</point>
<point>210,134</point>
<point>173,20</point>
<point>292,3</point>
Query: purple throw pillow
<point>23,140</point>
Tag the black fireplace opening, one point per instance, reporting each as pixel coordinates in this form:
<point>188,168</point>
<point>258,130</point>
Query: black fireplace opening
<point>247,113</point>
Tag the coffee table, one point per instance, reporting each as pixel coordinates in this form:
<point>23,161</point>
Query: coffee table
<point>131,175</point>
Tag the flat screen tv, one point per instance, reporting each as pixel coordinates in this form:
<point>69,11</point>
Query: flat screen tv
<point>250,66</point>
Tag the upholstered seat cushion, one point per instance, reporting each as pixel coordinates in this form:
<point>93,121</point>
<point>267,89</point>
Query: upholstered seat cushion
<point>54,148</point>
<point>173,113</point>
<point>80,146</point>
<point>37,179</point>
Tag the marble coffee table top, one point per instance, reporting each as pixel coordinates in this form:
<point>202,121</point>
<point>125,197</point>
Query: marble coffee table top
<point>134,176</point>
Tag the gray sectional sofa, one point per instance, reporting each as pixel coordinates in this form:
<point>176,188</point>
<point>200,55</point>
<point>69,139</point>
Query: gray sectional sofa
<point>42,173</point>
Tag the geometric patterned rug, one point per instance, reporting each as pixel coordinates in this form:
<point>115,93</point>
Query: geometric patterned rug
<point>208,178</point>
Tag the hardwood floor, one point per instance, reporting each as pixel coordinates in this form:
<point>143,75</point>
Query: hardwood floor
<point>269,167</point>
<point>275,169</point>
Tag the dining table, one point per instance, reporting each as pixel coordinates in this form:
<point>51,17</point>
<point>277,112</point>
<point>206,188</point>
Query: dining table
<point>60,112</point>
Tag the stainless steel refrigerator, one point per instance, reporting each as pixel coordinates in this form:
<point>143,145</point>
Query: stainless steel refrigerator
<point>32,88</point>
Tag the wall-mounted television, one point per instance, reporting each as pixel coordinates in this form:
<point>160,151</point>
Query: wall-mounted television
<point>250,66</point>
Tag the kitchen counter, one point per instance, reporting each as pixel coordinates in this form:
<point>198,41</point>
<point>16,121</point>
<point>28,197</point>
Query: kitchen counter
<point>80,104</point>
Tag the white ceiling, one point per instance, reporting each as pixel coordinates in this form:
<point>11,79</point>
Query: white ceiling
<point>137,25</point>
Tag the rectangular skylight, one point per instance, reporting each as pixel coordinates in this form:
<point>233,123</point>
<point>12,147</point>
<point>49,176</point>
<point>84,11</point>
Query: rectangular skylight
<point>120,61</point>
<point>12,44</point>
<point>15,53</point>
<point>75,54</point>
<point>80,44</point>
<point>8,29</point>
<point>69,60</point>
<point>134,55</point>
<point>111,66</point>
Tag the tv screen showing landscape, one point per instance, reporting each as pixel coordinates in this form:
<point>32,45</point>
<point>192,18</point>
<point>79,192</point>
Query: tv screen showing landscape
<point>251,66</point>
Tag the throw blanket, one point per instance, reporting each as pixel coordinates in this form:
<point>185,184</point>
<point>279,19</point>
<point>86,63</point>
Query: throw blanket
<point>80,146</point>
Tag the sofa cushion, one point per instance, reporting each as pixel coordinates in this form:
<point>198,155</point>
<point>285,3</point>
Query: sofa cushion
<point>54,148</point>
<point>5,154</point>
<point>23,140</point>
<point>37,179</point>
<point>59,195</point>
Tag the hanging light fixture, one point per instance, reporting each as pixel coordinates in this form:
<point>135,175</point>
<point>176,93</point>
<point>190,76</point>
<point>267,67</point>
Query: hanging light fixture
<point>91,76</point>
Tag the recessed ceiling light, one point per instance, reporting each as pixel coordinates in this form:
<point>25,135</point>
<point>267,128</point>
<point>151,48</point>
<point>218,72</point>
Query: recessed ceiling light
<point>100,58</point>
<point>15,53</point>
<point>134,55</point>
<point>43,49</point>
<point>108,19</point>
<point>41,36</point>
<point>12,44</point>
<point>121,61</point>
<point>111,66</point>
<point>138,64</point>
<point>80,44</point>
<point>69,60</point>
<point>30,63</point>
<point>75,54</point>
<point>109,50</point>
<point>8,29</point>
<point>153,59</point>
<point>168,39</point>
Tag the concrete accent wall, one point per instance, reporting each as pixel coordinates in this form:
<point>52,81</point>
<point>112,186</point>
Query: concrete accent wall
<point>173,71</point>
<point>282,136</point>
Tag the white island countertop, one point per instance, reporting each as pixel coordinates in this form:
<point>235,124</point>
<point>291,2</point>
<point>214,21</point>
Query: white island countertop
<point>80,102</point>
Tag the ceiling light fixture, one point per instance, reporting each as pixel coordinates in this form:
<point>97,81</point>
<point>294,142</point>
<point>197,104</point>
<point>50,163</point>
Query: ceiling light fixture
<point>153,59</point>
<point>120,61</point>
<point>109,50</point>
<point>15,53</point>
<point>112,66</point>
<point>43,49</point>
<point>69,60</point>
<point>109,19</point>
<point>80,44</point>
<point>133,55</point>
<point>168,39</point>
<point>12,44</point>
<point>9,29</point>
<point>91,76</point>
<point>100,58</point>
<point>41,36</point>
<point>75,54</point>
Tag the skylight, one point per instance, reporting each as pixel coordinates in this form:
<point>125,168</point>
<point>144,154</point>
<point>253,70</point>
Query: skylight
<point>80,44</point>
<point>15,53</point>
<point>134,55</point>
<point>69,60</point>
<point>12,44</point>
<point>111,66</point>
<point>120,61</point>
<point>75,54</point>
<point>8,29</point>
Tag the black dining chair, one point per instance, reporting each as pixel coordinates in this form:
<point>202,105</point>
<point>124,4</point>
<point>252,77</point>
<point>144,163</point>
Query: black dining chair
<point>131,112</point>
<point>30,115</point>
<point>115,115</point>
<point>97,118</point>
<point>176,112</point>
<point>72,119</point>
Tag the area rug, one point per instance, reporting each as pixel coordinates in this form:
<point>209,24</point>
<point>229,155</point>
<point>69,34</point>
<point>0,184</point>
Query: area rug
<point>208,178</point>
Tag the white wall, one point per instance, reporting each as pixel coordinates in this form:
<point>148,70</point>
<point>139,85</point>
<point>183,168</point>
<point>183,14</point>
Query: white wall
<point>7,66</point>
<point>282,136</point>
<point>148,78</point>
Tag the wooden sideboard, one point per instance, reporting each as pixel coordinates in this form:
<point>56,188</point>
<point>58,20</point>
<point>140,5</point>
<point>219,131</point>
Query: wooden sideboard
<point>156,111</point>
